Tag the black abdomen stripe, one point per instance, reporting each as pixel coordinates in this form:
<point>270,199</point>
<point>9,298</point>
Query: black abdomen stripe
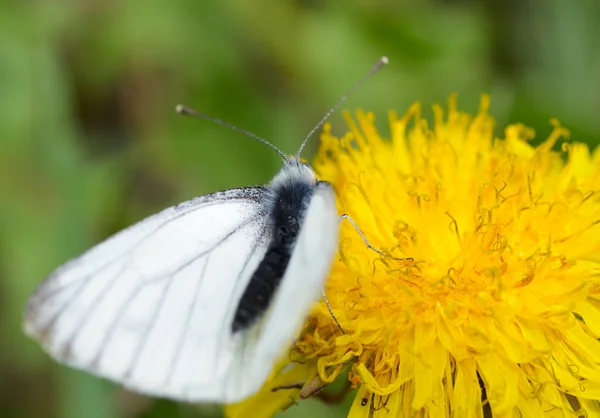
<point>287,213</point>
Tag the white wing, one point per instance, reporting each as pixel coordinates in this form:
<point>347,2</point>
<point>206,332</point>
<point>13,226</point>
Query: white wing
<point>301,285</point>
<point>152,306</point>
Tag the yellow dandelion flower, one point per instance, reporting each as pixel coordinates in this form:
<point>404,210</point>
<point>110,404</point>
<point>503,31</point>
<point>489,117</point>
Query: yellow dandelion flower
<point>496,312</point>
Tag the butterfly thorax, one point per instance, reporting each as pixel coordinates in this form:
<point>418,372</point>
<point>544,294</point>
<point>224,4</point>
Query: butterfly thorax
<point>288,198</point>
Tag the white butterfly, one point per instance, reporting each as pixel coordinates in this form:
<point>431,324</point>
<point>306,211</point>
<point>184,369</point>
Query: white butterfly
<point>197,302</point>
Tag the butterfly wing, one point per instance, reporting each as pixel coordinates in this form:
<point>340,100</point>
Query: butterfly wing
<point>300,286</point>
<point>151,307</point>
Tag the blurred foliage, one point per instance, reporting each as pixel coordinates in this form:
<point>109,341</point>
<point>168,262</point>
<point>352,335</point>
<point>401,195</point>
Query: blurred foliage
<point>90,142</point>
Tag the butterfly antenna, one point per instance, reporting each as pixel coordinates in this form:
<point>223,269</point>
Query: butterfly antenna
<point>184,110</point>
<point>382,61</point>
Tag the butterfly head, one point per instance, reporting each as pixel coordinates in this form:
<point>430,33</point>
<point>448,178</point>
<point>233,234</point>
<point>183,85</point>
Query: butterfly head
<point>294,170</point>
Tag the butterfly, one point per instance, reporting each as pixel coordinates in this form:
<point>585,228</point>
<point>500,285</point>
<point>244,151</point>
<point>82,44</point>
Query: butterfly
<point>197,302</point>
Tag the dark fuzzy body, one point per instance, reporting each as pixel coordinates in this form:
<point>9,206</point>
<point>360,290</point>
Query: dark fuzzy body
<point>287,206</point>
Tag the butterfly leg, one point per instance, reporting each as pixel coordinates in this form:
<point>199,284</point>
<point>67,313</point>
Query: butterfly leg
<point>378,251</point>
<point>369,246</point>
<point>331,311</point>
<point>349,219</point>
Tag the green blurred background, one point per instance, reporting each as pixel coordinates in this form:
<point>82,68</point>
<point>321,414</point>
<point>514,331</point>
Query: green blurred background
<point>90,142</point>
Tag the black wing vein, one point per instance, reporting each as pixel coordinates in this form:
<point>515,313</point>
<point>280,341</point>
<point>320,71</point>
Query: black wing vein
<point>135,293</point>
